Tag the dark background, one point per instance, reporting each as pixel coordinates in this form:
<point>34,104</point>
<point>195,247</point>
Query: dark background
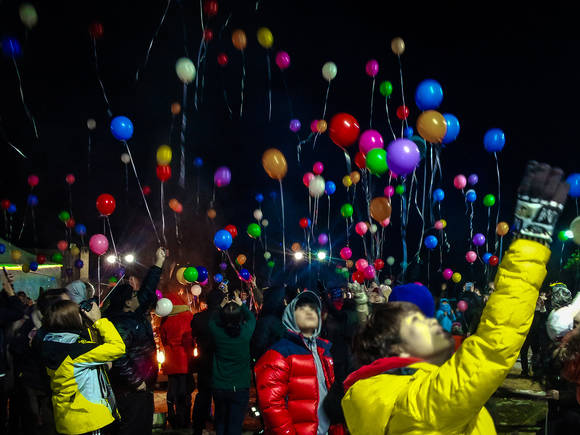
<point>512,69</point>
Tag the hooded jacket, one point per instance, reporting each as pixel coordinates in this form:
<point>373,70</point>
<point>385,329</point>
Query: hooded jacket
<point>414,397</point>
<point>446,321</point>
<point>293,377</point>
<point>175,332</point>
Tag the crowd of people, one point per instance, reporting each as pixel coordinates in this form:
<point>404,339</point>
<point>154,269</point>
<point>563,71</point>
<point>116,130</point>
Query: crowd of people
<point>362,359</point>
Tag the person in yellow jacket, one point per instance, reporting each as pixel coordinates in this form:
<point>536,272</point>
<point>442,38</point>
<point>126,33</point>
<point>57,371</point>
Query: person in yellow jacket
<point>413,383</point>
<point>82,397</point>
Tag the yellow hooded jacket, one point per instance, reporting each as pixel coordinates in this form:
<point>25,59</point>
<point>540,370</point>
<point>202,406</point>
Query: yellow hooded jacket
<point>428,399</point>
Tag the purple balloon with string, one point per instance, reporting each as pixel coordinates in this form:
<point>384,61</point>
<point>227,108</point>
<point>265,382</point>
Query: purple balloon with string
<point>322,239</point>
<point>222,176</point>
<point>479,239</point>
<point>295,125</point>
<point>473,179</point>
<point>223,266</point>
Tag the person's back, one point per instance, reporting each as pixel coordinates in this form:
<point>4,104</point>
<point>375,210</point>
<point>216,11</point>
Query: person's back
<point>269,328</point>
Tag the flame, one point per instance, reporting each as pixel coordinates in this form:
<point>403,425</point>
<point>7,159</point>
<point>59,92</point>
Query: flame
<point>195,352</point>
<point>160,357</point>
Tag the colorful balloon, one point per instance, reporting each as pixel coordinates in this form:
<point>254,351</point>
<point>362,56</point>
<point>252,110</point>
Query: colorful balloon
<point>164,155</point>
<point>295,125</point>
<point>369,272</point>
<point>493,260</point>
<point>428,95</point>
<point>574,181</point>
<point>502,229</point>
<point>389,191</point>
<point>473,179</point>
<point>274,163</point>
<point>329,71</point>
<point>460,181</point>
<point>402,112</point>
<point>223,240</point>
<point>379,264</point>
<point>343,130</point>
<point>370,139</point>
<point>471,256</point>
<point>372,68</point>
<point>106,204</point>
<point>345,253</point>
<point>380,208</point>
<point>354,177</point>
<point>70,179</point>
<point>322,239</point>
<point>431,126</point>
<point>489,200</point>
<point>494,140</point>
<point>377,161</point>
<point>447,274</point>
<point>346,210</point>
<point>329,187</point>
<point>479,239</point>
<point>403,156</point>
<point>222,59</point>
<point>190,274</point>
<point>316,186</point>
<point>456,277</point>
<point>222,176</point>
<point>64,216</point>
<point>471,195</point>
<point>163,172</point>
<point>62,245</point>
<point>185,70</point>
<point>461,306</point>
<point>438,195</point>
<point>254,231</point>
<point>239,39</point>
<point>453,128</point>
<point>398,46</point>
<point>386,89</point>
<point>361,264</point>
<point>282,60</point>
<point>361,228</point>
<point>431,242</point>
<point>33,180</point>
<point>121,128</point>
<point>265,37</point>
<point>98,244</point>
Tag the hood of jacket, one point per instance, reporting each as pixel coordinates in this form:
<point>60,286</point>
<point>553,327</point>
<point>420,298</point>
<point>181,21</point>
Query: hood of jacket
<point>77,291</point>
<point>444,305</point>
<point>288,319</point>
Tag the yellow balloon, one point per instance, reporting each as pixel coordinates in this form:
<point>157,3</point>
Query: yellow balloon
<point>164,155</point>
<point>456,277</point>
<point>431,126</point>
<point>25,268</point>
<point>265,37</point>
<point>443,222</point>
<point>239,39</point>
<point>16,254</point>
<point>321,126</point>
<point>502,229</point>
<point>346,181</point>
<point>398,46</point>
<point>75,251</point>
<point>179,276</point>
<point>274,163</point>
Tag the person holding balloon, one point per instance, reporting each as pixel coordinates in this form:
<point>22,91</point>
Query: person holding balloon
<point>134,375</point>
<point>410,379</point>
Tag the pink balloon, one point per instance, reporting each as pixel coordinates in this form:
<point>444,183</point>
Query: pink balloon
<point>460,181</point>
<point>282,60</point>
<point>33,180</point>
<point>361,264</point>
<point>318,168</point>
<point>158,294</point>
<point>314,126</point>
<point>62,245</point>
<point>369,140</point>
<point>70,179</point>
<point>205,282</point>
<point>386,222</point>
<point>418,283</point>
<point>447,274</point>
<point>461,306</point>
<point>438,225</point>
<point>389,191</point>
<point>361,228</point>
<point>471,256</point>
<point>372,68</point>
<point>307,178</point>
<point>369,272</point>
<point>98,244</point>
<point>345,253</point>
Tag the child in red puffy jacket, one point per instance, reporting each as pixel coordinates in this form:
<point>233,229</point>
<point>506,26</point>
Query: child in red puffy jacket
<point>294,376</point>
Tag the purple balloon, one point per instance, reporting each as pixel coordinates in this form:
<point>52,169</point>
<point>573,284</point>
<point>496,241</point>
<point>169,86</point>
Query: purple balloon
<point>479,239</point>
<point>223,266</point>
<point>473,179</point>
<point>372,68</point>
<point>403,156</point>
<point>322,239</point>
<point>222,176</point>
<point>369,140</point>
<point>295,125</point>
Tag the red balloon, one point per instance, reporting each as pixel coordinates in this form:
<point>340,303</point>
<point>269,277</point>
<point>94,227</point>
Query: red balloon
<point>303,223</point>
<point>207,34</point>
<point>493,260</point>
<point>232,230</point>
<point>41,259</point>
<point>402,112</point>
<point>222,59</point>
<point>96,30</point>
<point>62,245</point>
<point>379,264</point>
<point>210,8</point>
<point>343,129</point>
<point>70,223</point>
<point>358,276</point>
<point>106,204</point>
<point>360,160</point>
<point>146,190</point>
<point>5,204</point>
<point>163,172</point>
<point>70,179</point>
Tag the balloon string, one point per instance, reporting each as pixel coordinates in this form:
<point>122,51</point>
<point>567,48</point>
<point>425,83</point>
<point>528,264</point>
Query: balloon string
<point>184,29</point>
<point>225,25</point>
<point>153,39</point>
<point>99,276</point>
<point>323,113</point>
<point>162,196</point>
<point>26,109</point>
<point>498,197</point>
<point>348,161</point>
<point>197,191</point>
<point>23,221</point>
<point>109,112</point>
<point>283,224</point>
<point>389,118</point>
<point>70,200</point>
<point>404,123</point>
<point>420,213</point>
<point>500,248</point>
<point>471,224</point>
<point>111,234</point>
<point>177,229</point>
<point>372,104</point>
<point>225,94</point>
<point>183,127</point>
<point>199,54</point>
<point>89,153</point>
<point>328,226</point>
<point>141,190</point>
<point>431,184</point>
<point>487,231</point>
<point>243,84</point>
<point>404,235</point>
<point>269,85</point>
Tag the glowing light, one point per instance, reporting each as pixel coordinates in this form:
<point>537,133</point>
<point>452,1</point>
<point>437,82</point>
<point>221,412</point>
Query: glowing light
<point>321,255</point>
<point>195,352</point>
<point>160,357</point>
<point>298,256</point>
<point>111,259</point>
<point>129,258</point>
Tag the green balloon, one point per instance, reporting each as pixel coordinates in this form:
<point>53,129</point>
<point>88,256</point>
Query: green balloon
<point>400,189</point>
<point>271,264</point>
<point>254,231</point>
<point>190,274</point>
<point>57,258</point>
<point>562,236</point>
<point>386,88</point>
<point>113,279</point>
<point>64,216</point>
<point>377,161</point>
<point>346,210</point>
<point>489,200</point>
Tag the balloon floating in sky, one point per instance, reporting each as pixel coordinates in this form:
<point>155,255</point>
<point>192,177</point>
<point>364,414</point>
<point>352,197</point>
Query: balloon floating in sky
<point>494,140</point>
<point>121,128</point>
<point>428,95</point>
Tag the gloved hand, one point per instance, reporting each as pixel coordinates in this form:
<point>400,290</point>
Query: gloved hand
<point>541,197</point>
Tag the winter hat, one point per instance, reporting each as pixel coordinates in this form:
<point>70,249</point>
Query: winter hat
<point>561,321</point>
<point>561,296</point>
<point>416,294</point>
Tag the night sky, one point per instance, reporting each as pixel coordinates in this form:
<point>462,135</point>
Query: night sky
<point>511,69</point>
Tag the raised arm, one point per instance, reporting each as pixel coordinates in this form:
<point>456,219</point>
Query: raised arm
<point>146,294</point>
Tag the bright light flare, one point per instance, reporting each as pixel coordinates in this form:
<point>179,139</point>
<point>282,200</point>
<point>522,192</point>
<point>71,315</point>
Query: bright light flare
<point>111,259</point>
<point>321,255</point>
<point>129,258</point>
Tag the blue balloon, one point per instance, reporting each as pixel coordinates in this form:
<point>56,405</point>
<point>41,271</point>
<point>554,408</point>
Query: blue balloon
<point>12,209</point>
<point>486,257</point>
<point>223,240</point>
<point>218,277</point>
<point>330,187</point>
<point>78,264</point>
<point>34,266</point>
<point>431,242</point>
<point>122,128</point>
<point>470,195</point>
<point>11,47</point>
<point>494,140</point>
<point>2,248</point>
<point>452,128</point>
<point>32,200</point>
<point>80,229</point>
<point>122,271</point>
<point>198,162</point>
<point>428,95</point>
<point>409,132</point>
<point>438,195</point>
<point>574,182</point>
<point>273,194</point>
<point>259,198</point>
<point>201,273</point>
<point>245,274</point>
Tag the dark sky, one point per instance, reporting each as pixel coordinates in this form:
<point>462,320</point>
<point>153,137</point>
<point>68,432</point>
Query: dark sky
<point>512,69</point>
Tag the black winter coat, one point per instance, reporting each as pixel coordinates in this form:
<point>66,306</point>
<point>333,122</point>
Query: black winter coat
<point>269,329</point>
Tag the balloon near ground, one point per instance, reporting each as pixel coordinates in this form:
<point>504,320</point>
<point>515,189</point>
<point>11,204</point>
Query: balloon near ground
<point>190,274</point>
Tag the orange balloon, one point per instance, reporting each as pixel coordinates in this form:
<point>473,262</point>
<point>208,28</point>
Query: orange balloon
<point>380,208</point>
<point>211,213</point>
<point>296,246</point>
<point>398,46</point>
<point>355,177</point>
<point>431,126</point>
<point>241,259</point>
<point>239,39</point>
<point>349,264</point>
<point>173,204</point>
<point>321,126</point>
<point>274,163</point>
<point>175,108</point>
<point>502,229</point>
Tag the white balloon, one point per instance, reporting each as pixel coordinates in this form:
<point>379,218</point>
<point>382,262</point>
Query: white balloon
<point>388,281</point>
<point>125,158</point>
<point>91,124</point>
<point>329,71</point>
<point>390,261</point>
<point>575,228</point>
<point>265,223</point>
<point>185,70</point>
<point>373,228</point>
<point>267,255</point>
<point>316,186</point>
<point>163,307</point>
<point>28,15</point>
<point>258,214</point>
<point>196,290</point>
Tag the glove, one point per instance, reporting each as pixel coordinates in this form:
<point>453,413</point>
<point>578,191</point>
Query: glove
<point>541,198</point>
